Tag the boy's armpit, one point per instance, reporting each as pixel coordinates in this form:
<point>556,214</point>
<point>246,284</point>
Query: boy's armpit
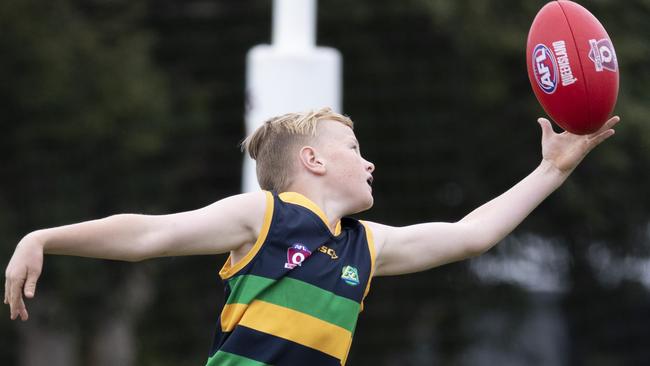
<point>241,256</point>
<point>221,227</point>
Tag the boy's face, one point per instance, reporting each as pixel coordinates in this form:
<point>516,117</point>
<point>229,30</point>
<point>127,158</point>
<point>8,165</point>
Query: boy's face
<point>348,174</point>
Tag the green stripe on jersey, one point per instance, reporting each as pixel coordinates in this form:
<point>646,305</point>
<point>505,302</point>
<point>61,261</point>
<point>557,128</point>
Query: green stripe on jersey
<point>297,295</point>
<point>222,358</point>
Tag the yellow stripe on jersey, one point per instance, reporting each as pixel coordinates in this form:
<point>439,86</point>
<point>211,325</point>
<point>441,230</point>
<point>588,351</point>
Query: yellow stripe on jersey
<point>371,249</point>
<point>230,316</point>
<point>229,269</point>
<point>298,327</point>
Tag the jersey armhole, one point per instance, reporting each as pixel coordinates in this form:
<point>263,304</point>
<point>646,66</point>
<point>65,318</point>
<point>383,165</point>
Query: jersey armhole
<point>228,270</point>
<point>371,250</point>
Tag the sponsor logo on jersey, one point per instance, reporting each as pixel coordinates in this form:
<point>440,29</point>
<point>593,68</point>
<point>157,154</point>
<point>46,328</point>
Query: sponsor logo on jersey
<point>602,54</point>
<point>350,275</point>
<point>296,254</point>
<point>329,251</point>
<point>545,68</point>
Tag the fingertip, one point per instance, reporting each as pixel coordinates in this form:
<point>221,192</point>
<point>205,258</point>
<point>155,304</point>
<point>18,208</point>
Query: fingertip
<point>544,122</point>
<point>613,121</point>
<point>545,125</point>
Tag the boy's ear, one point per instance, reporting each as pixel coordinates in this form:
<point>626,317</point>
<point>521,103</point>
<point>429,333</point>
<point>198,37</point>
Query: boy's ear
<point>311,160</point>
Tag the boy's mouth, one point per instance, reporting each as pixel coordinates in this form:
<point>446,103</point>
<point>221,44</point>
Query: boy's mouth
<point>369,181</point>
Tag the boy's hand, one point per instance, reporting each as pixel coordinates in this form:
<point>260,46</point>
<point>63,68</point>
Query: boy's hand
<point>21,275</point>
<point>565,150</point>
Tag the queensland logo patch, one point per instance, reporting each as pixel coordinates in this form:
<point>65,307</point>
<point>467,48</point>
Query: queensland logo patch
<point>296,254</point>
<point>545,68</point>
<point>603,55</point>
<point>350,275</point>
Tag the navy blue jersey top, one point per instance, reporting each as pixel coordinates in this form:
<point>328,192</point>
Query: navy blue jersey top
<point>295,297</point>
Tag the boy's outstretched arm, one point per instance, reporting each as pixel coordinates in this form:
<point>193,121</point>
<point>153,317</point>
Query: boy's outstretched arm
<point>423,246</point>
<point>226,225</point>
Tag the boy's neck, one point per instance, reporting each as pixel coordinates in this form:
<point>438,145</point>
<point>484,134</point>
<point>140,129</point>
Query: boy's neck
<point>332,210</point>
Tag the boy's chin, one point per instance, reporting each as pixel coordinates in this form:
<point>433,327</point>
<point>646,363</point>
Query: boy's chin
<point>370,203</point>
<point>366,205</point>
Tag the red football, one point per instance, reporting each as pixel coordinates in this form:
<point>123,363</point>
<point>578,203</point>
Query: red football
<point>572,66</point>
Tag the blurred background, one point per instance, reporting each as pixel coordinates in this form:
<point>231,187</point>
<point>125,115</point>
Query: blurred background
<point>112,106</point>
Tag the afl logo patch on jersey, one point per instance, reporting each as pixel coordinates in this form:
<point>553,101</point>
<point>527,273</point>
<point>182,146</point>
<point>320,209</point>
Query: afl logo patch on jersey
<point>296,254</point>
<point>350,275</point>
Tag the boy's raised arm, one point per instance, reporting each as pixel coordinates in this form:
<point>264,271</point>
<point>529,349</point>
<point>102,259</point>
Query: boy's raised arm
<point>420,247</point>
<point>223,226</point>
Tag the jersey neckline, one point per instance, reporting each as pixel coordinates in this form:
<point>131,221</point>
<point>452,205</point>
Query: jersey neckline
<point>299,199</point>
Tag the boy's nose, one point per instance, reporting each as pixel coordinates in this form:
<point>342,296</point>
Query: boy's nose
<point>371,167</point>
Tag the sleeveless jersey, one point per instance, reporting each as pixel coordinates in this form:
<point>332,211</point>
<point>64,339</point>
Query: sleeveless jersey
<point>295,297</point>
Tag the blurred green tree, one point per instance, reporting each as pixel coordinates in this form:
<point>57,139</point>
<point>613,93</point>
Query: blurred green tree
<point>86,118</point>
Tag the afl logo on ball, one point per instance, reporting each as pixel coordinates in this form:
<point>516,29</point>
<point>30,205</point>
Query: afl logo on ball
<point>545,68</point>
<point>296,255</point>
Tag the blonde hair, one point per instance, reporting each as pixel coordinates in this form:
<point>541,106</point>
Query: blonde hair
<point>273,144</point>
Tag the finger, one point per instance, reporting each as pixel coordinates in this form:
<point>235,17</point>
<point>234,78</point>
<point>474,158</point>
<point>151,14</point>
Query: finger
<point>545,124</point>
<point>9,297</point>
<point>30,283</point>
<point>16,303</point>
<point>12,305</point>
<point>609,124</point>
<point>596,140</point>
<point>18,308</point>
<point>605,132</point>
<point>24,315</point>
<point>612,121</point>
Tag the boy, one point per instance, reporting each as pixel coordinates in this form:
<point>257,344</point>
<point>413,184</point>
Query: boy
<point>298,269</point>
